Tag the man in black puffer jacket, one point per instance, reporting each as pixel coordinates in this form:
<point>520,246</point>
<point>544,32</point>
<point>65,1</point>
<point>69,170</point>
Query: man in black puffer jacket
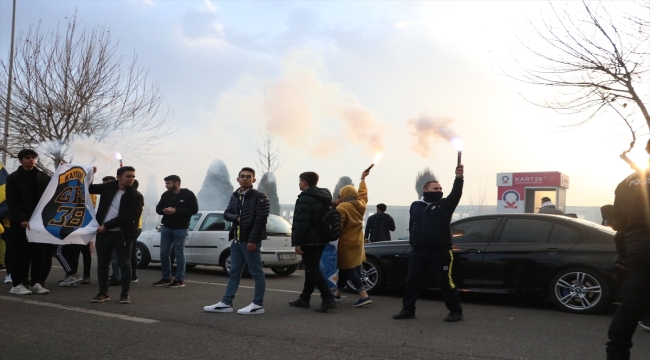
<point>430,237</point>
<point>309,242</point>
<point>248,211</point>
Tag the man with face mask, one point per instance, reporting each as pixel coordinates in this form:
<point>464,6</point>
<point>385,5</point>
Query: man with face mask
<point>430,238</point>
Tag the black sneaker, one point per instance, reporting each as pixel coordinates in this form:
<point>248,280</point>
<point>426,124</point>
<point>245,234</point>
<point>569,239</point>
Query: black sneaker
<point>300,302</point>
<point>404,314</point>
<point>125,299</point>
<point>162,282</point>
<point>326,305</point>
<point>454,316</point>
<point>645,325</point>
<point>114,282</point>
<point>176,284</point>
<point>101,297</point>
<point>134,279</point>
<point>86,279</point>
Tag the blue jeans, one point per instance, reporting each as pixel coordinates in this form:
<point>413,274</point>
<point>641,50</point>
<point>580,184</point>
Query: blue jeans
<point>239,256</point>
<point>175,237</point>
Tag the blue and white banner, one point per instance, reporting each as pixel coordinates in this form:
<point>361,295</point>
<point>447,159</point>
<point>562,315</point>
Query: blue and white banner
<point>65,214</point>
<point>328,264</point>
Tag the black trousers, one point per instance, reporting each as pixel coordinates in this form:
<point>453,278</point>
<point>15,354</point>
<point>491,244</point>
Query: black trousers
<point>354,275</point>
<point>105,243</point>
<point>134,259</point>
<point>635,293</point>
<point>313,276</point>
<point>437,263</point>
<point>40,256</point>
<point>19,258</point>
<point>6,236</point>
<point>68,256</point>
<point>85,253</point>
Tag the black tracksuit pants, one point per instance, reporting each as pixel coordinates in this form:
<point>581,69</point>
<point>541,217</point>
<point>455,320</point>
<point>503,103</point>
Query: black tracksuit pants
<point>437,263</point>
<point>68,256</point>
<point>635,293</point>
<point>313,276</point>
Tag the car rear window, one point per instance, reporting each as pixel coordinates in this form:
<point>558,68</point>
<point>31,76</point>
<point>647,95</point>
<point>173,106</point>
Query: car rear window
<point>564,235</point>
<point>214,222</point>
<point>277,225</point>
<point>473,231</point>
<point>526,231</point>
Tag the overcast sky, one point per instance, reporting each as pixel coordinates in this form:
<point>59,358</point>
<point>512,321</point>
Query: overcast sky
<point>339,82</point>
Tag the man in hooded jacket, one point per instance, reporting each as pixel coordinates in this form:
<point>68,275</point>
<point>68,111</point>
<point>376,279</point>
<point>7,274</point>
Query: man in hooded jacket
<point>379,225</point>
<point>309,242</point>
<point>430,237</point>
<point>549,208</point>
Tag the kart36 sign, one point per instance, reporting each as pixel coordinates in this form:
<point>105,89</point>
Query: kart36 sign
<point>65,214</point>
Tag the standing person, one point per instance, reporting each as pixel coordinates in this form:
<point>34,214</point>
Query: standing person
<point>309,243</point>
<point>134,257</point>
<point>430,237</point>
<point>177,206</point>
<point>120,206</point>
<point>248,211</point>
<point>25,186</point>
<point>68,257</point>
<point>351,254</point>
<point>86,251</point>
<point>379,225</point>
<point>631,218</point>
<point>549,208</point>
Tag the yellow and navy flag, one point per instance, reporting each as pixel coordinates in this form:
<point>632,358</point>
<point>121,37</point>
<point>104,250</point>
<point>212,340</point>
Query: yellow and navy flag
<point>65,214</point>
<point>4,209</point>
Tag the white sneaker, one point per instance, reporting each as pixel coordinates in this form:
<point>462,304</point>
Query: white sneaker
<point>219,307</point>
<point>71,280</point>
<point>8,279</point>
<point>19,290</point>
<point>38,289</point>
<point>251,309</point>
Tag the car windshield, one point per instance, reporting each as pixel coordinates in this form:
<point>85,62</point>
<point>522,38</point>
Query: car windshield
<point>277,225</point>
<point>595,226</point>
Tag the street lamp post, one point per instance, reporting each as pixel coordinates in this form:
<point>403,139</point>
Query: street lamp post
<point>5,140</point>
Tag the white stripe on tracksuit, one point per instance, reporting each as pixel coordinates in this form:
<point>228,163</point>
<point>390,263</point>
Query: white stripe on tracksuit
<point>62,260</point>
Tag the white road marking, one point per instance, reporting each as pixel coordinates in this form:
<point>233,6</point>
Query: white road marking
<point>81,310</point>
<point>241,286</point>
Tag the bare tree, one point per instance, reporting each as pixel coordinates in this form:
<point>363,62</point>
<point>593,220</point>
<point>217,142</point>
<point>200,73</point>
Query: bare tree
<point>598,61</point>
<point>72,83</point>
<point>422,178</point>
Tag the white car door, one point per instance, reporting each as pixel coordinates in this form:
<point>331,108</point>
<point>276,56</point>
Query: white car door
<point>189,250</point>
<point>209,240</point>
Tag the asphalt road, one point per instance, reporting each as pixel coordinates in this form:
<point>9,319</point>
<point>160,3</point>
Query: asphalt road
<point>171,323</point>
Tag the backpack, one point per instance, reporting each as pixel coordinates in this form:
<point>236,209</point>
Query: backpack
<point>329,224</point>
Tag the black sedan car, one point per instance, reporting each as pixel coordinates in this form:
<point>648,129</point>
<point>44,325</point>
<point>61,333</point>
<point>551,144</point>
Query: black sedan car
<point>569,260</point>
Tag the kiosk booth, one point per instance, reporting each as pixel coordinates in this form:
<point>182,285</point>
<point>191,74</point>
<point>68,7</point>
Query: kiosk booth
<point>523,192</point>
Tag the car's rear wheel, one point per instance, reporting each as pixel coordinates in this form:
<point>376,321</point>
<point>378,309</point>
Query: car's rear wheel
<point>372,277</point>
<point>284,270</point>
<point>580,291</point>
<point>142,255</point>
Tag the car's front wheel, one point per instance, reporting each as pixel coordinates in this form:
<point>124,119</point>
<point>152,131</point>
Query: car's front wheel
<point>142,255</point>
<point>284,270</point>
<point>580,291</point>
<point>372,277</point>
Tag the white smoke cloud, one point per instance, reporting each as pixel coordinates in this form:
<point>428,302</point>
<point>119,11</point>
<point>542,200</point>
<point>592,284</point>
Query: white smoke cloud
<point>425,128</point>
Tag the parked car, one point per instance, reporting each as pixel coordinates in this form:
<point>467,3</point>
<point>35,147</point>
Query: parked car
<point>208,244</point>
<point>570,261</point>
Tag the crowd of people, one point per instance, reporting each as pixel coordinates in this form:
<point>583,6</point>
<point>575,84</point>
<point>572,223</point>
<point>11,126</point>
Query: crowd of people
<point>318,217</point>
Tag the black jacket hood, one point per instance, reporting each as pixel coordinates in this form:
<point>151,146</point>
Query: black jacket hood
<point>321,194</point>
